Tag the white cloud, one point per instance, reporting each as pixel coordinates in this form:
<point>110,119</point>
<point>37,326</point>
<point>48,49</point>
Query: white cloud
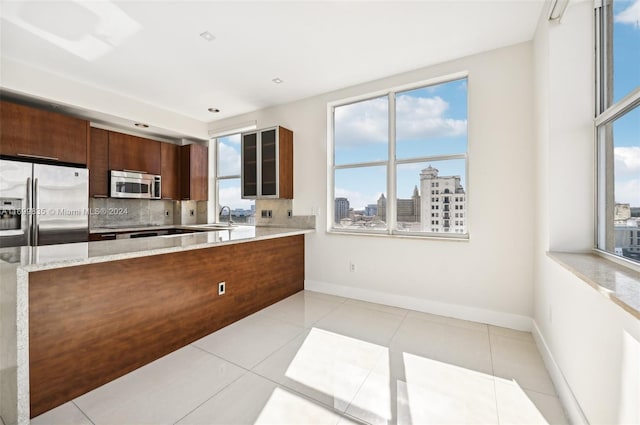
<point>362,122</point>
<point>366,122</point>
<point>230,196</point>
<point>419,117</point>
<point>627,160</point>
<point>628,192</point>
<point>357,200</point>
<point>631,15</point>
<point>228,160</point>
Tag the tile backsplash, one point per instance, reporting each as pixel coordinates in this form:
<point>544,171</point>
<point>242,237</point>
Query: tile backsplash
<point>138,212</point>
<point>191,212</point>
<point>116,212</point>
<point>280,209</point>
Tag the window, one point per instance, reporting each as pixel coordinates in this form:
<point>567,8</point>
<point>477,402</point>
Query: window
<point>393,154</point>
<point>618,127</point>
<point>228,182</point>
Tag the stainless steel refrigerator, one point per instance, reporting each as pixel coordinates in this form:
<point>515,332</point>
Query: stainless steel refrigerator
<point>42,204</point>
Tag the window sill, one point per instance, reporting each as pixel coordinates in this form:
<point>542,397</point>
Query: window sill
<point>616,282</point>
<point>383,234</point>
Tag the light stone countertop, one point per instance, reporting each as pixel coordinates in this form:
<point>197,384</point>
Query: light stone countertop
<point>616,282</point>
<point>17,263</point>
<point>117,229</point>
<point>55,256</point>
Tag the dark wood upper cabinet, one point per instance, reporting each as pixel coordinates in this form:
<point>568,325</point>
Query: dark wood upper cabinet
<point>267,163</point>
<point>194,163</point>
<point>134,153</point>
<point>249,165</point>
<point>36,133</point>
<point>170,170</point>
<point>99,163</point>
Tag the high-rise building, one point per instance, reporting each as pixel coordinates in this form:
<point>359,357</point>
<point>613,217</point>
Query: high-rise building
<point>622,212</point>
<point>371,210</point>
<point>381,212</point>
<point>627,239</point>
<point>408,210</point>
<point>341,209</point>
<point>443,206</point>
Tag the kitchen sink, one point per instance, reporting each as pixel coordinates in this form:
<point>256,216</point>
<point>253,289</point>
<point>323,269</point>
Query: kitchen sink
<point>215,226</point>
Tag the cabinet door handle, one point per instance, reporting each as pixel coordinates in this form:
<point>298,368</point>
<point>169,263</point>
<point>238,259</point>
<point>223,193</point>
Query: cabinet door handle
<point>50,158</point>
<point>100,196</point>
<point>108,235</point>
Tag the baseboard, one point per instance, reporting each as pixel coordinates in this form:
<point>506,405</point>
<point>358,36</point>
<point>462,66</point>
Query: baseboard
<point>507,320</point>
<point>572,407</point>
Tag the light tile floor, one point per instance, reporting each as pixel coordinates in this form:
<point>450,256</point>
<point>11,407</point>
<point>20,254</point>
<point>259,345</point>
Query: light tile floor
<point>318,359</point>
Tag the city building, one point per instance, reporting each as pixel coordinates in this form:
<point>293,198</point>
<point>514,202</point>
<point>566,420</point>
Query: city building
<point>381,213</point>
<point>441,208</point>
<point>408,211</point>
<point>443,204</point>
<point>622,212</point>
<point>341,209</point>
<point>371,210</point>
<point>627,239</point>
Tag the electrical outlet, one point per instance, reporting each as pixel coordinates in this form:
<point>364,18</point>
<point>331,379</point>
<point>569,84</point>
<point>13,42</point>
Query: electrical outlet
<point>352,267</point>
<point>221,288</point>
<point>191,213</point>
<point>289,213</point>
<point>166,213</point>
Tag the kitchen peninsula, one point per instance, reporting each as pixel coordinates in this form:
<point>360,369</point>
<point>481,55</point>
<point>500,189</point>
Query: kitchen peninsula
<point>87,313</point>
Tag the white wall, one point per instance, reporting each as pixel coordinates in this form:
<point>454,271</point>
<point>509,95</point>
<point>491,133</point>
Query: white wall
<point>488,278</point>
<point>593,342</point>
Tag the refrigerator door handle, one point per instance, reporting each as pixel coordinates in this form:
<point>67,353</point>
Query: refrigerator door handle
<point>29,212</point>
<point>35,212</point>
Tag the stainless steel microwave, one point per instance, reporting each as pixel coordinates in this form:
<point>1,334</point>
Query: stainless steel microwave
<point>131,184</point>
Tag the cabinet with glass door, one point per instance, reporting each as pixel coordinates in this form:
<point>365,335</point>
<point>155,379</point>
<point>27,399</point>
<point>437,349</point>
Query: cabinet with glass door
<point>267,163</point>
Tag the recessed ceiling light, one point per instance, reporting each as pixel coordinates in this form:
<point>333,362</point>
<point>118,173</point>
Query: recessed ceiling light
<point>213,110</point>
<point>141,125</point>
<point>207,36</point>
<point>277,80</point>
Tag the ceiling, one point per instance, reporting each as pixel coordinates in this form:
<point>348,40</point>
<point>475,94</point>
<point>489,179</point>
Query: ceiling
<point>152,51</point>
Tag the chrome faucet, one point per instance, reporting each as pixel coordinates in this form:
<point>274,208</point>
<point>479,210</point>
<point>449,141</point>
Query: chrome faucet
<point>229,221</point>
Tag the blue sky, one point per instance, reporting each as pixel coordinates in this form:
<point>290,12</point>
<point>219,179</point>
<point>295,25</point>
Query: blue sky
<point>626,76</point>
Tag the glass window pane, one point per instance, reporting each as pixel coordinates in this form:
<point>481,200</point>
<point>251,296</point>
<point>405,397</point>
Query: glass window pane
<point>242,210</point>
<point>361,131</point>
<point>229,156</point>
<point>626,47</point>
<point>360,198</point>
<point>432,197</point>
<point>621,153</point>
<point>432,120</point>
